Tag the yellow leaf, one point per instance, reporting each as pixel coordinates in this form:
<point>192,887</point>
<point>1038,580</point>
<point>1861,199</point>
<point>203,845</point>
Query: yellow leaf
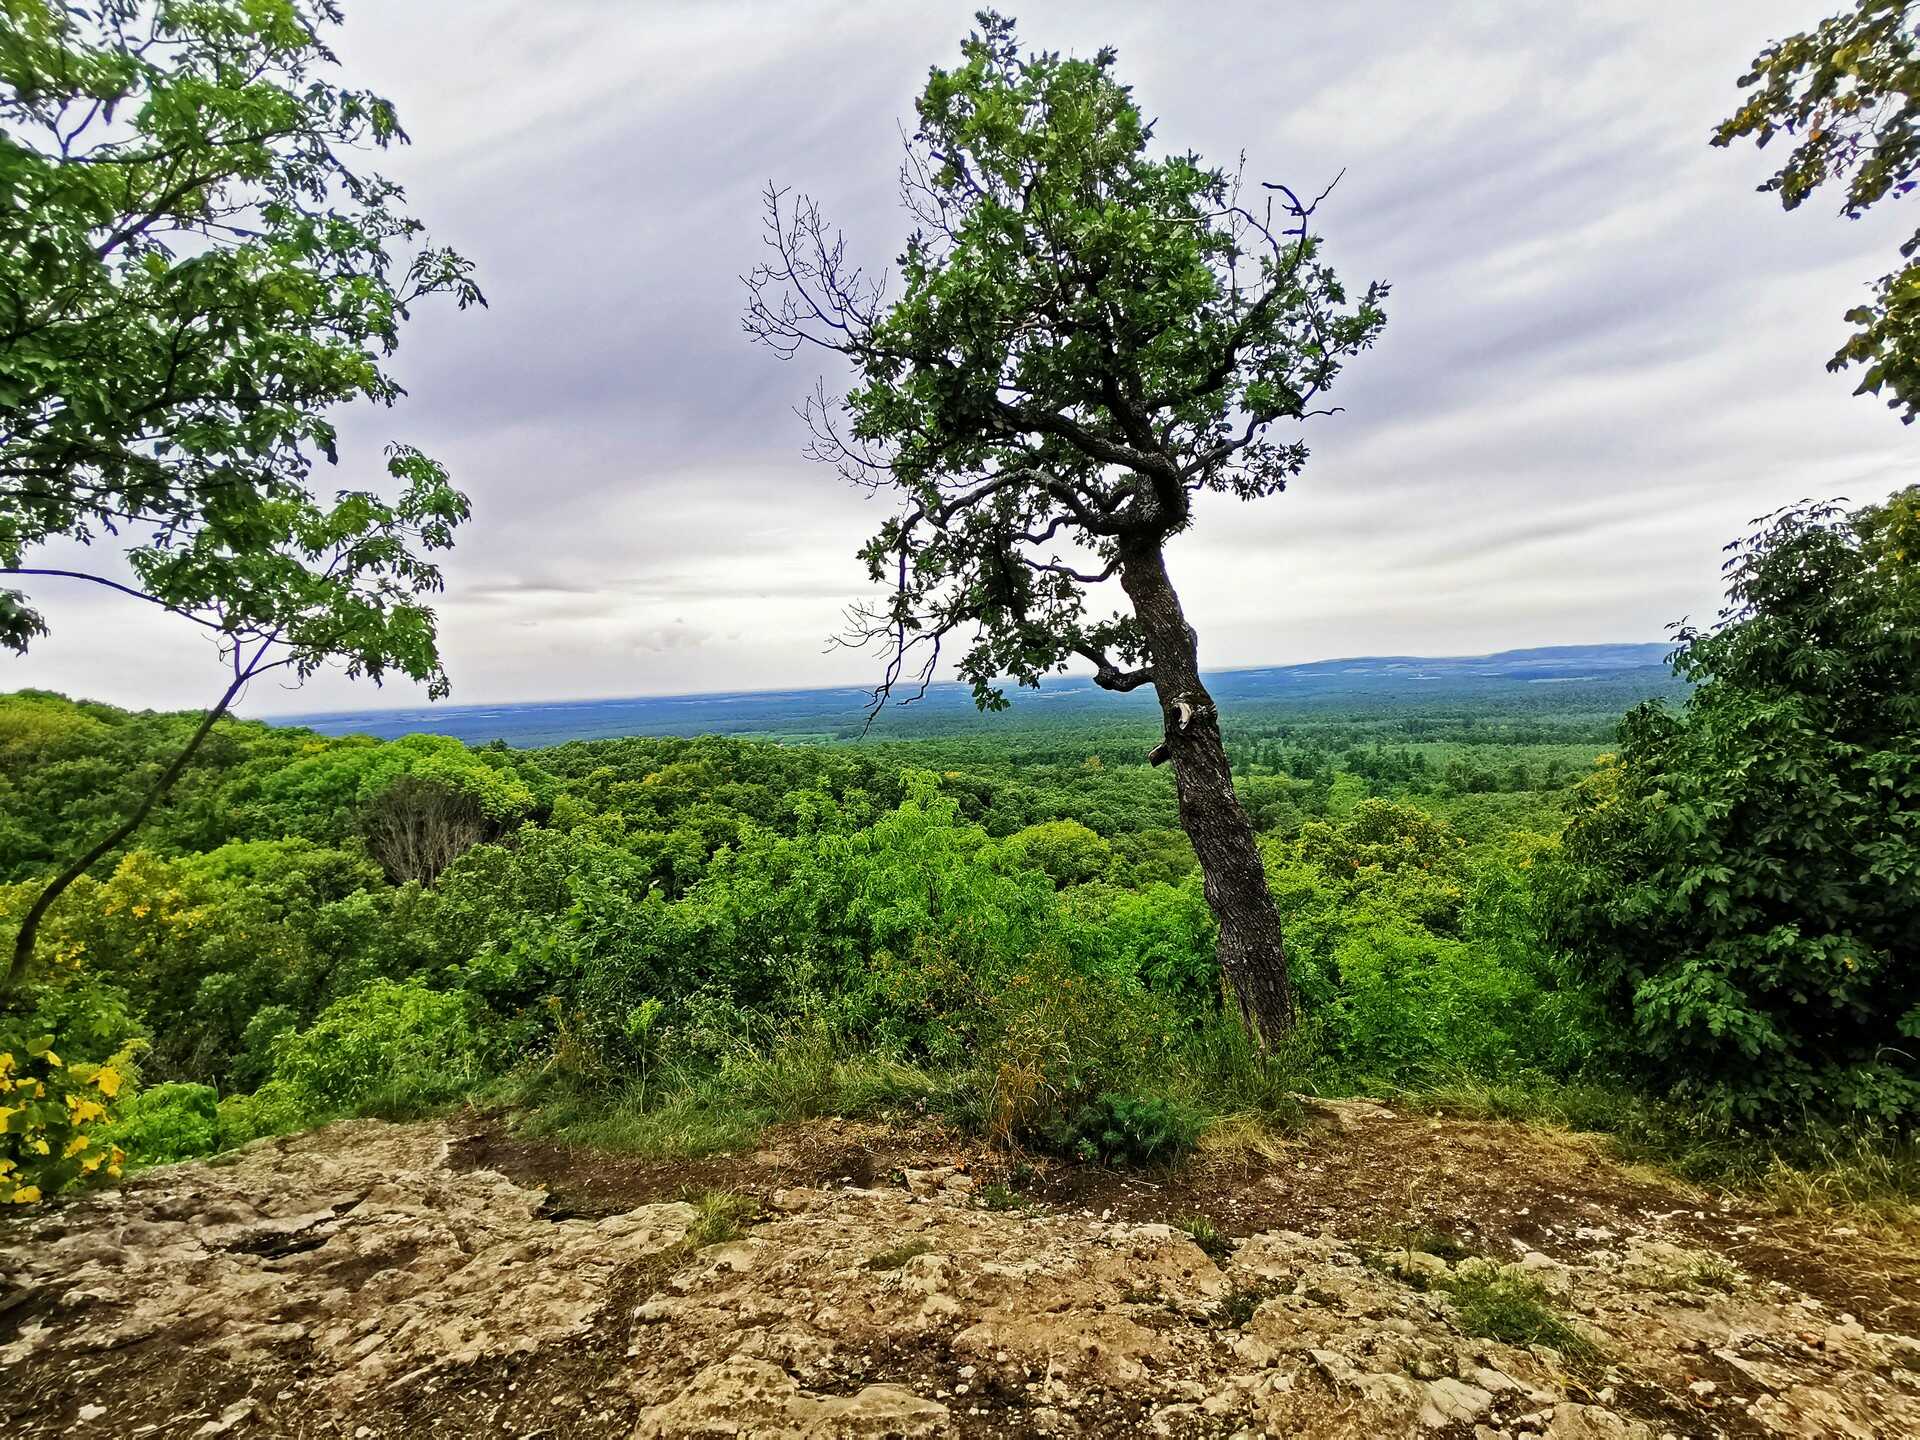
<point>75,1146</point>
<point>53,1060</point>
<point>109,1080</point>
<point>26,1195</point>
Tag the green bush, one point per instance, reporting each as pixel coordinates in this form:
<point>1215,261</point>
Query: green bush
<point>1743,883</point>
<point>167,1123</point>
<point>273,1109</point>
<point>391,1047</point>
<point>1139,1130</point>
<point>67,1047</point>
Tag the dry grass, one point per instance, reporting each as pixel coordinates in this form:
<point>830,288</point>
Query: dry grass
<point>1244,1139</point>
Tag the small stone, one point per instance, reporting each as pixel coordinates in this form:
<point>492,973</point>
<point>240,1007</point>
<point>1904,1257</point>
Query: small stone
<point>1451,1402</point>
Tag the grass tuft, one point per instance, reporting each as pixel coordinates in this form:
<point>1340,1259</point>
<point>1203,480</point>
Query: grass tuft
<point>1501,1303</point>
<point>1207,1235</point>
<point>1245,1138</point>
<point>1238,1305</point>
<point>720,1215</point>
<point>996,1196</point>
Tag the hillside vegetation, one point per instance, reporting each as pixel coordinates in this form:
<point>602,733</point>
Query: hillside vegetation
<point>663,944</point>
<point>316,926</point>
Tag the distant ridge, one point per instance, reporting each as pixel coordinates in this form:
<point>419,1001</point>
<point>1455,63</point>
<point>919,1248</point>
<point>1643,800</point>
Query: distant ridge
<point>839,711</point>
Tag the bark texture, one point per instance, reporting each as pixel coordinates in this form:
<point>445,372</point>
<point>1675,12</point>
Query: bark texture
<point>1252,951</point>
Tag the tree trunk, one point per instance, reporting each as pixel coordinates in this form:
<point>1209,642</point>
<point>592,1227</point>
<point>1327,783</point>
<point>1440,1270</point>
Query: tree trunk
<point>1252,955</point>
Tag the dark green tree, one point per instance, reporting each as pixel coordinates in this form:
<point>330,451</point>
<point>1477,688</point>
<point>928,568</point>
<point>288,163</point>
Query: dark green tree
<point>1744,881</point>
<point>194,270</point>
<point>1847,94</point>
<point>1087,336</point>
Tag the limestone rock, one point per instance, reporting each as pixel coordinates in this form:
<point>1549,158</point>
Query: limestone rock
<point>1452,1402</point>
<point>745,1397</point>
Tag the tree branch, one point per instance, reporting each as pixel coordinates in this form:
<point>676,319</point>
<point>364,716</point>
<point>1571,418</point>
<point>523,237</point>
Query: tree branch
<point>1109,676</point>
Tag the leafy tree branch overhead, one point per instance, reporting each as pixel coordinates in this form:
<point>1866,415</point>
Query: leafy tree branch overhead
<point>1086,337</point>
<point>1847,94</point>
<point>195,269</point>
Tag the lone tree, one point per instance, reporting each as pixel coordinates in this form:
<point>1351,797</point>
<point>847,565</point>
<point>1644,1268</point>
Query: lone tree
<point>194,270</point>
<point>1086,338</point>
<point>1847,94</point>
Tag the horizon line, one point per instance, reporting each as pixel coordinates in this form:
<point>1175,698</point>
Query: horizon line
<point>444,707</point>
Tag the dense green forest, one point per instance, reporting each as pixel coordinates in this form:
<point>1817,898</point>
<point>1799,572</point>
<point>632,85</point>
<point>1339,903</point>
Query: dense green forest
<point>314,925</point>
<point>666,942</point>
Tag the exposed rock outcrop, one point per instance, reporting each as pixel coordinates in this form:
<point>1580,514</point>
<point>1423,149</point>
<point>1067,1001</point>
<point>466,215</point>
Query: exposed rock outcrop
<point>353,1282</point>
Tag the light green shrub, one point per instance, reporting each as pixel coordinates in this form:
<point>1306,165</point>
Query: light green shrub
<point>167,1123</point>
<point>390,1047</point>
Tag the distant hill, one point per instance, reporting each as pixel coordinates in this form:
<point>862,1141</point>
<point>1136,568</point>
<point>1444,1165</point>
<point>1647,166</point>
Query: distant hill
<point>1617,674</point>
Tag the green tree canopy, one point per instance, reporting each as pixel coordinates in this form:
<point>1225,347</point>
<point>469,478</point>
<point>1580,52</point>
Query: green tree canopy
<point>194,270</point>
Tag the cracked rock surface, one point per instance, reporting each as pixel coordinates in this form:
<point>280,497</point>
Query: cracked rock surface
<point>362,1281</point>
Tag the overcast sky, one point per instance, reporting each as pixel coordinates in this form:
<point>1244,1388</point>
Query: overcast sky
<point>1604,351</point>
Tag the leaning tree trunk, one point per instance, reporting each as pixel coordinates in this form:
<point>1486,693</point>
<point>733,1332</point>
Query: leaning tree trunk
<point>1252,956</point>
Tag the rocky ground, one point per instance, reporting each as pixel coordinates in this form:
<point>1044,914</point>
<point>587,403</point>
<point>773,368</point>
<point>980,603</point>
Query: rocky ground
<point>445,1279</point>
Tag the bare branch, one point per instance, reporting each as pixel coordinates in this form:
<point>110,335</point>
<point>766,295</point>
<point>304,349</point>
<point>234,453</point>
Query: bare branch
<point>1109,676</point>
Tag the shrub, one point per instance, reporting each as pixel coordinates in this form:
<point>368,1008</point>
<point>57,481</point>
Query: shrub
<point>66,1066</point>
<point>1142,1130</point>
<point>1162,934</point>
<point>388,1047</point>
<point>1740,883</point>
<point>55,1120</point>
<point>168,1123</point>
<point>273,1109</point>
